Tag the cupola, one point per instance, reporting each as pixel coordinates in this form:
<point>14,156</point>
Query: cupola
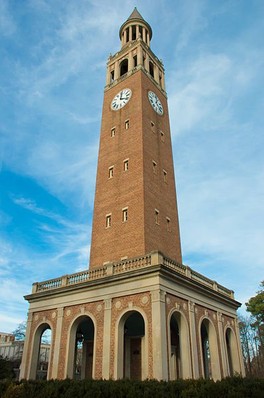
<point>135,27</point>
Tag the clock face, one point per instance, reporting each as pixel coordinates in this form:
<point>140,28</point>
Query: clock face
<point>155,103</point>
<point>121,99</point>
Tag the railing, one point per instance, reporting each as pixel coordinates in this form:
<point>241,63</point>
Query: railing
<point>127,265</point>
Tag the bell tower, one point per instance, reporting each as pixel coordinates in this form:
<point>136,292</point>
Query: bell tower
<point>135,209</point>
<point>137,312</point>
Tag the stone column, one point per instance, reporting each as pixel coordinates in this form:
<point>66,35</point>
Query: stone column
<point>130,33</point>
<point>140,55</point>
<point>106,339</point>
<point>156,73</point>
<point>194,351</point>
<point>24,367</point>
<point>147,62</point>
<point>57,344</point>
<point>222,345</point>
<point>144,35</point>
<point>117,70</point>
<point>159,335</point>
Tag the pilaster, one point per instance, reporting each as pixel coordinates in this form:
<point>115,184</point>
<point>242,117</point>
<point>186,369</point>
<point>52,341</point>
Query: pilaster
<point>194,351</point>
<point>159,335</point>
<point>57,343</point>
<point>24,367</point>
<point>106,338</point>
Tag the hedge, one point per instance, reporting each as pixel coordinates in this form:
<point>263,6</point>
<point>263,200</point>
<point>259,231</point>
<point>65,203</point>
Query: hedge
<point>235,387</point>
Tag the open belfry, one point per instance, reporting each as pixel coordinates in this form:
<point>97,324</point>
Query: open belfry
<point>137,312</point>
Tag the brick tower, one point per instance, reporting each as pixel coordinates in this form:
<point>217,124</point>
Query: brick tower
<point>135,210</point>
<point>137,312</point>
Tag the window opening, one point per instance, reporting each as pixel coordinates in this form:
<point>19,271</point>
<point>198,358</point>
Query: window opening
<point>127,124</point>
<point>140,31</point>
<point>162,136</point>
<point>126,165</point>
<point>156,216</point>
<point>124,67</point>
<point>112,75</point>
<point>127,35</point>
<point>108,220</point>
<point>125,214</point>
<point>135,61</point>
<point>151,68</point>
<point>111,172</point>
<point>113,131</point>
<point>154,167</point>
<point>168,224</point>
<point>134,32</point>
<point>165,176</point>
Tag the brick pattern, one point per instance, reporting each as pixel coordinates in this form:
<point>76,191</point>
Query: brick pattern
<point>138,189</point>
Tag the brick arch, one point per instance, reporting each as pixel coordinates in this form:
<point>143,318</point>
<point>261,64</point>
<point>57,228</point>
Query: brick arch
<point>185,370</point>
<point>119,342</point>
<point>71,341</point>
<point>213,347</point>
<point>37,334</point>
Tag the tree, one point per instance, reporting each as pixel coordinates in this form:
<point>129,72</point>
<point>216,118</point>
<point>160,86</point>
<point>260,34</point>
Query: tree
<point>20,331</point>
<point>255,305</point>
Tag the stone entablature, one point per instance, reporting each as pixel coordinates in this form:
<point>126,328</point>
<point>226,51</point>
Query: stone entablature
<point>128,265</point>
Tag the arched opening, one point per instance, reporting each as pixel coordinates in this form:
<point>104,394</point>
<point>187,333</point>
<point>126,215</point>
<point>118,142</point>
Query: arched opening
<point>123,67</point>
<point>209,348</point>
<point>232,353</point>
<point>81,349</point>
<point>180,356</point>
<point>40,360</point>
<point>134,32</point>
<point>175,349</point>
<point>206,351</point>
<point>131,358</point>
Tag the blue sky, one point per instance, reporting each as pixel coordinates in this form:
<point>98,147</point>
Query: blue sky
<point>52,75</point>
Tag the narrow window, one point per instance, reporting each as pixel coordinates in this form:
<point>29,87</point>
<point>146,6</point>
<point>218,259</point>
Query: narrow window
<point>113,131</point>
<point>112,75</point>
<point>126,165</point>
<point>162,136</point>
<point>151,68</point>
<point>160,79</point>
<point>140,31</point>
<point>152,124</point>
<point>168,224</point>
<point>125,214</point>
<point>154,167</point>
<point>127,124</point>
<point>156,216</point>
<point>135,61</point>
<point>108,220</point>
<point>134,31</point>
<point>165,176</point>
<point>127,35</point>
<point>111,172</point>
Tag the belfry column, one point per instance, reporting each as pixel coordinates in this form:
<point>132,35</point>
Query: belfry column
<point>159,335</point>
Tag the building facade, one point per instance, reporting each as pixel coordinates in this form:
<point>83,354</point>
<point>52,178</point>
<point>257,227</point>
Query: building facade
<point>138,312</point>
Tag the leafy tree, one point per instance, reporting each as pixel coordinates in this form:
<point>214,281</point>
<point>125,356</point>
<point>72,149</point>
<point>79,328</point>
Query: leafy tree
<point>255,305</point>
<point>20,331</point>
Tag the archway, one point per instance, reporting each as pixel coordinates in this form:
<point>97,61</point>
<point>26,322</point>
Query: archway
<point>131,355</point>
<point>81,349</point>
<point>180,357</point>
<point>41,353</point>
<point>232,352</point>
<point>209,349</point>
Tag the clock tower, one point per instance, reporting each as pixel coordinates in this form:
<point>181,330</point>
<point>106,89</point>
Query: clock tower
<point>135,210</point>
<point>137,312</point>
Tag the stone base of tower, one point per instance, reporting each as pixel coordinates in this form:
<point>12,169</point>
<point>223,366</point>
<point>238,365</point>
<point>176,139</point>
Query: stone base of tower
<point>146,317</point>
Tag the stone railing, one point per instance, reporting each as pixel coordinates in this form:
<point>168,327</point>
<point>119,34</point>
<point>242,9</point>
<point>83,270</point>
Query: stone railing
<point>127,265</point>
